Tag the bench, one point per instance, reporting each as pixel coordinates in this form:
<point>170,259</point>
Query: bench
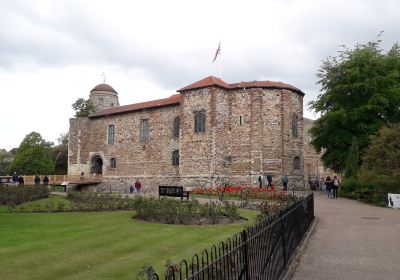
<point>173,191</point>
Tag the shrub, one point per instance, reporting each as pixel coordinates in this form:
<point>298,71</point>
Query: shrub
<point>16,195</point>
<point>100,202</point>
<point>172,211</point>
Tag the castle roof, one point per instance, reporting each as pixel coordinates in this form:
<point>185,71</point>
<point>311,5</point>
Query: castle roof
<point>176,98</point>
<point>172,100</point>
<point>103,87</point>
<point>213,81</point>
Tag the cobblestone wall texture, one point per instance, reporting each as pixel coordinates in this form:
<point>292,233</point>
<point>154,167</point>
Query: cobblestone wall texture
<point>247,131</point>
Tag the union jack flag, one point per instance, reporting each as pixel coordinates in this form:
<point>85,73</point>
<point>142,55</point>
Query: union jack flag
<point>217,52</point>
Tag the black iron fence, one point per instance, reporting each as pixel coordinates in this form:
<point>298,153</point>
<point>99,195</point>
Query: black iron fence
<point>260,252</point>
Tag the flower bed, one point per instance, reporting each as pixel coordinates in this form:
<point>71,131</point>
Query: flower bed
<point>239,191</point>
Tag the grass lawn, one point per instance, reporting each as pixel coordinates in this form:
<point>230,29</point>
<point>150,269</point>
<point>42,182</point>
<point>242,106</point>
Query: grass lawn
<point>96,245</point>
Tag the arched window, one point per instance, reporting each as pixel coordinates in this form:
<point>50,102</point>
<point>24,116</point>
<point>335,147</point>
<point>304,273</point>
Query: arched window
<point>294,126</point>
<point>296,163</point>
<point>113,163</point>
<point>176,127</point>
<point>111,134</point>
<point>144,130</point>
<point>199,122</point>
<point>175,157</point>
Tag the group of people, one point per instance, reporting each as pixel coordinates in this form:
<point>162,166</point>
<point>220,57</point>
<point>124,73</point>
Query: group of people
<point>18,180</point>
<point>332,186</point>
<point>285,181</point>
<point>45,180</point>
<point>135,187</point>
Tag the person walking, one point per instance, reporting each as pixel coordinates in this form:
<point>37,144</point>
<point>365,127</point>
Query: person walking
<point>269,179</point>
<point>131,189</point>
<point>37,180</point>
<point>260,180</point>
<point>21,181</point>
<point>138,185</point>
<point>285,181</point>
<point>335,186</point>
<point>328,186</point>
<point>45,180</point>
<point>15,180</point>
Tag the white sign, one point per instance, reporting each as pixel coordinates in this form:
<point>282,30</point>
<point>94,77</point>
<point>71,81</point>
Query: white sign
<point>394,200</point>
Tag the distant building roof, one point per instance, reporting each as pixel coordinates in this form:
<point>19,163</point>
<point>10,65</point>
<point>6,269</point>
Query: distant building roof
<point>172,100</point>
<point>103,87</point>
<point>213,81</point>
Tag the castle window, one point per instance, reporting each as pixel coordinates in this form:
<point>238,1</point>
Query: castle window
<point>199,122</point>
<point>112,104</point>
<point>294,126</point>
<point>241,120</point>
<point>296,163</point>
<point>175,158</point>
<point>111,134</point>
<point>144,130</point>
<point>113,163</point>
<point>176,127</point>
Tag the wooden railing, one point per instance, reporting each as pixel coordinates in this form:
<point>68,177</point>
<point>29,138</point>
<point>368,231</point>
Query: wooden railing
<point>59,179</point>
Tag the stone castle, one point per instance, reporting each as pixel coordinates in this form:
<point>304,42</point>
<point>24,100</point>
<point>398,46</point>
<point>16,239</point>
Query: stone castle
<point>210,133</point>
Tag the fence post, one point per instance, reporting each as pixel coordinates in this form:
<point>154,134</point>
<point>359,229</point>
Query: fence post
<point>283,238</point>
<point>246,254</point>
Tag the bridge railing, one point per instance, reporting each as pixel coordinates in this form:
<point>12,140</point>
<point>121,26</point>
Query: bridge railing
<point>59,179</point>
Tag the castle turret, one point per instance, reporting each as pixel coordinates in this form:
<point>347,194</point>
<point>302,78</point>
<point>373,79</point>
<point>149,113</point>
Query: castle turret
<point>103,96</point>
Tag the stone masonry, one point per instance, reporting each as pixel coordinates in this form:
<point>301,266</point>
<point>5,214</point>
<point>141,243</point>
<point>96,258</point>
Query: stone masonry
<point>249,128</point>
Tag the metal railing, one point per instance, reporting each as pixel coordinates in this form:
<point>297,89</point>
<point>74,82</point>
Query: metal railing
<point>260,252</point>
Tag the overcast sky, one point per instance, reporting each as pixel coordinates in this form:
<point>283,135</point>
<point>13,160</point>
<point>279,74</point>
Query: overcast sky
<point>53,52</point>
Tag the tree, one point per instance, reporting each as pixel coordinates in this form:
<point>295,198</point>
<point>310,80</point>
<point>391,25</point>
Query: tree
<point>33,156</point>
<point>360,93</point>
<point>353,160</point>
<point>383,154</point>
<point>83,108</point>
<point>60,154</point>
<point>5,161</point>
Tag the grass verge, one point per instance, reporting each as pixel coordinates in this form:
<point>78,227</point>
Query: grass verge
<point>96,245</point>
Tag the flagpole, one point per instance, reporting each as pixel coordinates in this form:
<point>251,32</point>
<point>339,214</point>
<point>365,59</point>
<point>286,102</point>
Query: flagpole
<point>220,65</point>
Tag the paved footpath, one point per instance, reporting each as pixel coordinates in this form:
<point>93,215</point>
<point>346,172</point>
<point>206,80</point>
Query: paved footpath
<point>351,240</point>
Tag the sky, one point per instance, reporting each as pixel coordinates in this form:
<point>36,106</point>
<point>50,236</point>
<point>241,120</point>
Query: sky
<point>53,52</point>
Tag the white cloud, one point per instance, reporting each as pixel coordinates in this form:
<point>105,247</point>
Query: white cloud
<point>53,52</point>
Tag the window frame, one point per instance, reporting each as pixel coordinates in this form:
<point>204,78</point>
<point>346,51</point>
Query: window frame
<point>144,130</point>
<point>113,162</point>
<point>111,134</point>
<point>199,122</point>
<point>176,126</point>
<point>175,158</point>
<point>296,163</point>
<point>295,126</point>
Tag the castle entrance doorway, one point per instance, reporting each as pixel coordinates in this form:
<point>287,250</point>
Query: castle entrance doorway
<point>96,165</point>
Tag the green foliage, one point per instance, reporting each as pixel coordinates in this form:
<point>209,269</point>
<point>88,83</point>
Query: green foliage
<point>33,156</point>
<point>361,92</point>
<point>16,195</point>
<point>100,202</point>
<point>171,211</point>
<point>370,187</point>
<point>83,108</point>
<point>60,155</point>
<point>383,154</point>
<point>5,162</point>
<point>380,171</point>
<point>353,160</point>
